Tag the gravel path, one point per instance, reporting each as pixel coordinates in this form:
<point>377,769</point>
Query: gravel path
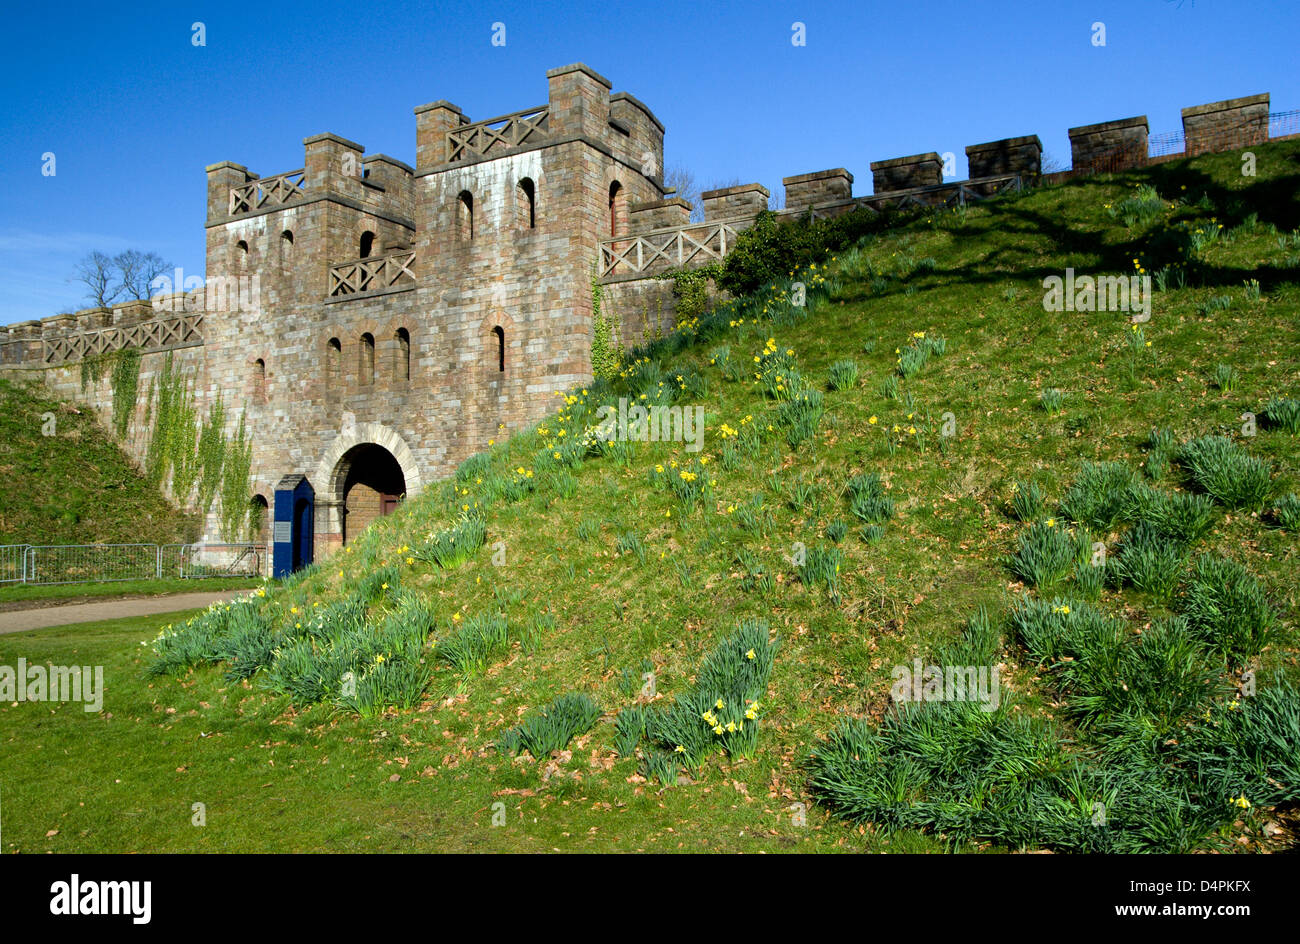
<point>17,621</point>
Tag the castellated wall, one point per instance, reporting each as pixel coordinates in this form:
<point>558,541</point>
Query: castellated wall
<point>415,313</point>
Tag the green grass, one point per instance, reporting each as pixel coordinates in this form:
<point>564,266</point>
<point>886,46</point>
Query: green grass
<point>1026,775</point>
<point>74,486</point>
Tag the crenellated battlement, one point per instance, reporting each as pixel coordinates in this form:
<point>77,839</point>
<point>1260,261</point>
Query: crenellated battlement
<point>372,323</point>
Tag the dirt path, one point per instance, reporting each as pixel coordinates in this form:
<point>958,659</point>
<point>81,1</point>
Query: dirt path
<point>17,621</point>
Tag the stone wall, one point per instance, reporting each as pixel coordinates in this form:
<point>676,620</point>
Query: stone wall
<point>907,173</point>
<point>1220,126</point>
<point>730,203</point>
<point>822,186</point>
<point>1110,145</point>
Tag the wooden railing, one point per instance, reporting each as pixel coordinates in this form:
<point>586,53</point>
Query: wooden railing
<point>181,330</point>
<point>693,244</point>
<point>498,134</point>
<point>267,191</point>
<point>372,274</point>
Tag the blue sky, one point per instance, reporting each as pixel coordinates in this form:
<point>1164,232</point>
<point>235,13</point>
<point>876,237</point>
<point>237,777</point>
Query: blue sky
<point>133,111</point>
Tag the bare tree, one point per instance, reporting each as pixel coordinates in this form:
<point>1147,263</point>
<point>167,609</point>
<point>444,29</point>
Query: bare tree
<point>683,181</point>
<point>98,273</point>
<point>129,275</point>
<point>137,270</point>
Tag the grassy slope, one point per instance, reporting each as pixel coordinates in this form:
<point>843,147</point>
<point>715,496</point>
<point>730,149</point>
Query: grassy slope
<point>77,486</point>
<point>279,778</point>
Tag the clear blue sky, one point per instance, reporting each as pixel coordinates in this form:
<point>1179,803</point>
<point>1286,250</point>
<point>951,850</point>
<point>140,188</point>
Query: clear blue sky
<point>133,111</point>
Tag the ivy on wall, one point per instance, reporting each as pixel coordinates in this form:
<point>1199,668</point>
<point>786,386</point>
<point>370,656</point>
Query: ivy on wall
<point>125,380</point>
<point>606,351</point>
<point>194,455</point>
<point>691,289</point>
<point>235,504</point>
<point>212,454</point>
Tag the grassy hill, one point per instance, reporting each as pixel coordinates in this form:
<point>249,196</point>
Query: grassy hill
<point>604,646</point>
<point>75,485</point>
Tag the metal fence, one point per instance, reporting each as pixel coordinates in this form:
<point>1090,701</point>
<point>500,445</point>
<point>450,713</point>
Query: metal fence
<point>101,563</point>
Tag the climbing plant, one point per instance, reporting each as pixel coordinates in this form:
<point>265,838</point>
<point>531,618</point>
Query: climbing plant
<point>126,384</point>
<point>606,352</point>
<point>212,454</point>
<point>691,289</point>
<point>234,484</point>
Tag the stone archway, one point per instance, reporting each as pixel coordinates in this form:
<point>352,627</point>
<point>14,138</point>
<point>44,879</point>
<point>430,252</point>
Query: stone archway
<point>361,453</point>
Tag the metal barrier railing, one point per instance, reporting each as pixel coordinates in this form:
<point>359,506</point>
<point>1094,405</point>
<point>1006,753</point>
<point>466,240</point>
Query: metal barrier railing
<point>103,563</point>
<point>13,560</point>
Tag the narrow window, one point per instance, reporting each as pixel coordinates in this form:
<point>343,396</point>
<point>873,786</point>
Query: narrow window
<point>366,366</point>
<point>526,198</point>
<point>334,364</point>
<point>615,208</point>
<point>402,355</point>
<point>499,336</point>
<point>465,216</point>
<point>259,379</point>
<point>241,254</point>
<point>287,237</point>
<point>367,244</point>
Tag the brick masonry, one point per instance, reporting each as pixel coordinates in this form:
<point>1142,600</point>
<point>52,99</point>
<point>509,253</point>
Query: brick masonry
<point>504,218</point>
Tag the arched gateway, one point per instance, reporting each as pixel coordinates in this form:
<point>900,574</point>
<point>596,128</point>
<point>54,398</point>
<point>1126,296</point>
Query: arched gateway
<point>364,473</point>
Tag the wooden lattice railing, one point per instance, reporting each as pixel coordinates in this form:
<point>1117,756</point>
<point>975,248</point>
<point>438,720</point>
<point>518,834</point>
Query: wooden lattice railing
<point>700,243</point>
<point>372,274</point>
<point>267,191</point>
<point>693,244</point>
<point>182,330</point>
<point>498,134</point>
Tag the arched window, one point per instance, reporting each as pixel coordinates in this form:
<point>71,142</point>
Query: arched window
<point>366,365</point>
<point>617,201</point>
<point>334,364</point>
<point>241,254</point>
<point>499,347</point>
<point>367,244</point>
<point>259,379</point>
<point>287,237</point>
<point>465,216</point>
<point>526,201</point>
<point>402,355</point>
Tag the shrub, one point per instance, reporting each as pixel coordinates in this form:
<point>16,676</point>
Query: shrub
<point>629,542</point>
<point>629,729</point>
<point>1172,516</point>
<point>1098,496</point>
<point>1027,501</point>
<point>872,533</point>
<point>452,546</point>
<point>1287,513</point>
<point>1225,471</point>
<point>470,647</point>
<point>1284,414</point>
<point>822,566</point>
<point>1045,554</point>
<point>843,375</point>
<point>1226,377</point>
<point>551,728</point>
<point>722,708</point>
<point>1150,561</point>
<point>1052,401</point>
<point>800,416</point>
<point>1227,608</point>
